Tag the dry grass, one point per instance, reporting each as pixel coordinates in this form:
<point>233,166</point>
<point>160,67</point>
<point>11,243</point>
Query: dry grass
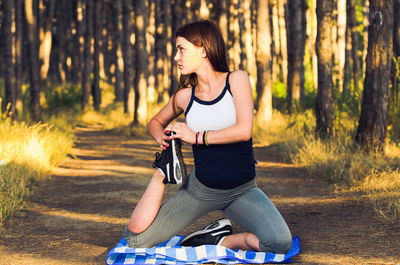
<point>337,161</point>
<point>28,153</point>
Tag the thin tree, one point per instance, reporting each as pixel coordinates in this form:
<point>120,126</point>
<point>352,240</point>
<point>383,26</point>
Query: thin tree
<point>324,106</point>
<point>18,53</point>
<point>394,95</point>
<point>45,36</point>
<point>127,56</point>
<point>98,43</point>
<point>296,44</point>
<point>9,77</point>
<point>351,66</point>
<point>117,43</point>
<point>87,55</point>
<point>33,55</point>
<point>263,62</point>
<point>372,127</point>
<point>140,83</point>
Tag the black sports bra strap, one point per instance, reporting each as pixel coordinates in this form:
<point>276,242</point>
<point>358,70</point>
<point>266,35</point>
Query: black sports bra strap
<point>227,86</point>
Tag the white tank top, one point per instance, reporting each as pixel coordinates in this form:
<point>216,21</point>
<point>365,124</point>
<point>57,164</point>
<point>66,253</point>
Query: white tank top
<point>211,115</point>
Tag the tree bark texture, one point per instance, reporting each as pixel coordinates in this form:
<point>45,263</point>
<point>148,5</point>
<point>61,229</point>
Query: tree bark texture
<point>141,60</point>
<point>296,48</point>
<point>324,105</point>
<point>263,62</point>
<point>127,55</point>
<point>45,36</point>
<point>33,55</point>
<point>87,55</point>
<point>372,127</point>
<point>9,77</point>
<point>117,42</point>
<point>98,43</point>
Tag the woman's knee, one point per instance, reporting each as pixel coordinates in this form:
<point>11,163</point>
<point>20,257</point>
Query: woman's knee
<point>133,240</point>
<point>278,243</point>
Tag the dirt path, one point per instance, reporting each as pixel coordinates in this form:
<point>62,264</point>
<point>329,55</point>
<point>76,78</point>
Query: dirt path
<point>78,215</point>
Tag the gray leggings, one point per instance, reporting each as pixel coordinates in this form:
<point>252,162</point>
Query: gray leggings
<point>247,205</point>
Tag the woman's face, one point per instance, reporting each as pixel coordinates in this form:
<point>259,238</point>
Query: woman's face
<point>188,56</point>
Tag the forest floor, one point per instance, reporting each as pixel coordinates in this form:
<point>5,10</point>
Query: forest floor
<point>78,215</point>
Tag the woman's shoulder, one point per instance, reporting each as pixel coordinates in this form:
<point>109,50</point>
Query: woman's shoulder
<point>239,75</point>
<point>183,97</point>
<point>239,79</point>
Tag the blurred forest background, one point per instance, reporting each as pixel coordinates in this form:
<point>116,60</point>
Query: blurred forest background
<point>325,75</point>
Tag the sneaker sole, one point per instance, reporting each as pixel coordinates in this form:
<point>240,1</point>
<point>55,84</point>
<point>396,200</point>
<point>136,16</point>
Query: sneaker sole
<point>176,166</point>
<point>223,223</point>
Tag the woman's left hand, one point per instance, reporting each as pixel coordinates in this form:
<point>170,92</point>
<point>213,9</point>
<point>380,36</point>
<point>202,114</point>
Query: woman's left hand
<point>182,132</point>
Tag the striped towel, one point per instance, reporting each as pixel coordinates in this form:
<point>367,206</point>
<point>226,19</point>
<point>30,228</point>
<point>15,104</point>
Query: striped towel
<point>170,252</point>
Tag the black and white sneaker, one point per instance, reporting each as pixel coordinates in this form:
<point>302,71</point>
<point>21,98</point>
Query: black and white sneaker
<point>209,235</point>
<point>170,162</point>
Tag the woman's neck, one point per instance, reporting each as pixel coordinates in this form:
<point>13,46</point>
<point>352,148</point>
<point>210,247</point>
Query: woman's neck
<point>209,79</point>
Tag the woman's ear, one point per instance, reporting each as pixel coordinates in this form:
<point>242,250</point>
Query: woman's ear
<point>203,52</point>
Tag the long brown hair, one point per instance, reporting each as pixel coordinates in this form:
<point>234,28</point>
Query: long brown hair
<point>205,34</point>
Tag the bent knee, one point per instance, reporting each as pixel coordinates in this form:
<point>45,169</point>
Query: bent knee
<point>278,244</point>
<point>133,239</point>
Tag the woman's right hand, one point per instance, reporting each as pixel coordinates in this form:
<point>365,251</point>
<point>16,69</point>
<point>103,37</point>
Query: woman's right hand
<point>162,141</point>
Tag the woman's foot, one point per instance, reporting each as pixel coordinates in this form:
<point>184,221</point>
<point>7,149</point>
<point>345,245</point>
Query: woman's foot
<point>212,234</point>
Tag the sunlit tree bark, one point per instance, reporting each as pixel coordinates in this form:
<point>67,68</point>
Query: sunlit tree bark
<point>372,127</point>
<point>341,40</point>
<point>324,107</point>
<point>263,55</point>
<point>9,77</point>
<point>18,54</point>
<point>45,36</point>
<point>283,38</point>
<point>141,60</point>
<point>32,37</point>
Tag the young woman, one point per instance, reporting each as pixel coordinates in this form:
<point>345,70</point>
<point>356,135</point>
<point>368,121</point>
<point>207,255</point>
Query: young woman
<point>218,106</point>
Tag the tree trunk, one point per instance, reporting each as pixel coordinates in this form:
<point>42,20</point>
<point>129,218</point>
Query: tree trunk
<point>341,39</point>
<point>175,23</point>
<point>324,106</point>
<point>372,127</point>
<point>45,36</point>
<point>283,38</point>
<point>394,96</point>
<point>296,44</point>
<point>264,97</point>
<point>87,55</point>
<point>77,52</point>
<point>127,55</point>
<point>140,109</point>
<point>160,43</point>
<point>18,54</point>
<point>9,77</point>
<point>33,62</point>
<point>98,43</point>
<point>351,55</point>
<point>119,66</point>
<point>166,6</point>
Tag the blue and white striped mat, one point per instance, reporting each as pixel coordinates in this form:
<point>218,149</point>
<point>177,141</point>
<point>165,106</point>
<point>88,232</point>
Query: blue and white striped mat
<point>171,253</point>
